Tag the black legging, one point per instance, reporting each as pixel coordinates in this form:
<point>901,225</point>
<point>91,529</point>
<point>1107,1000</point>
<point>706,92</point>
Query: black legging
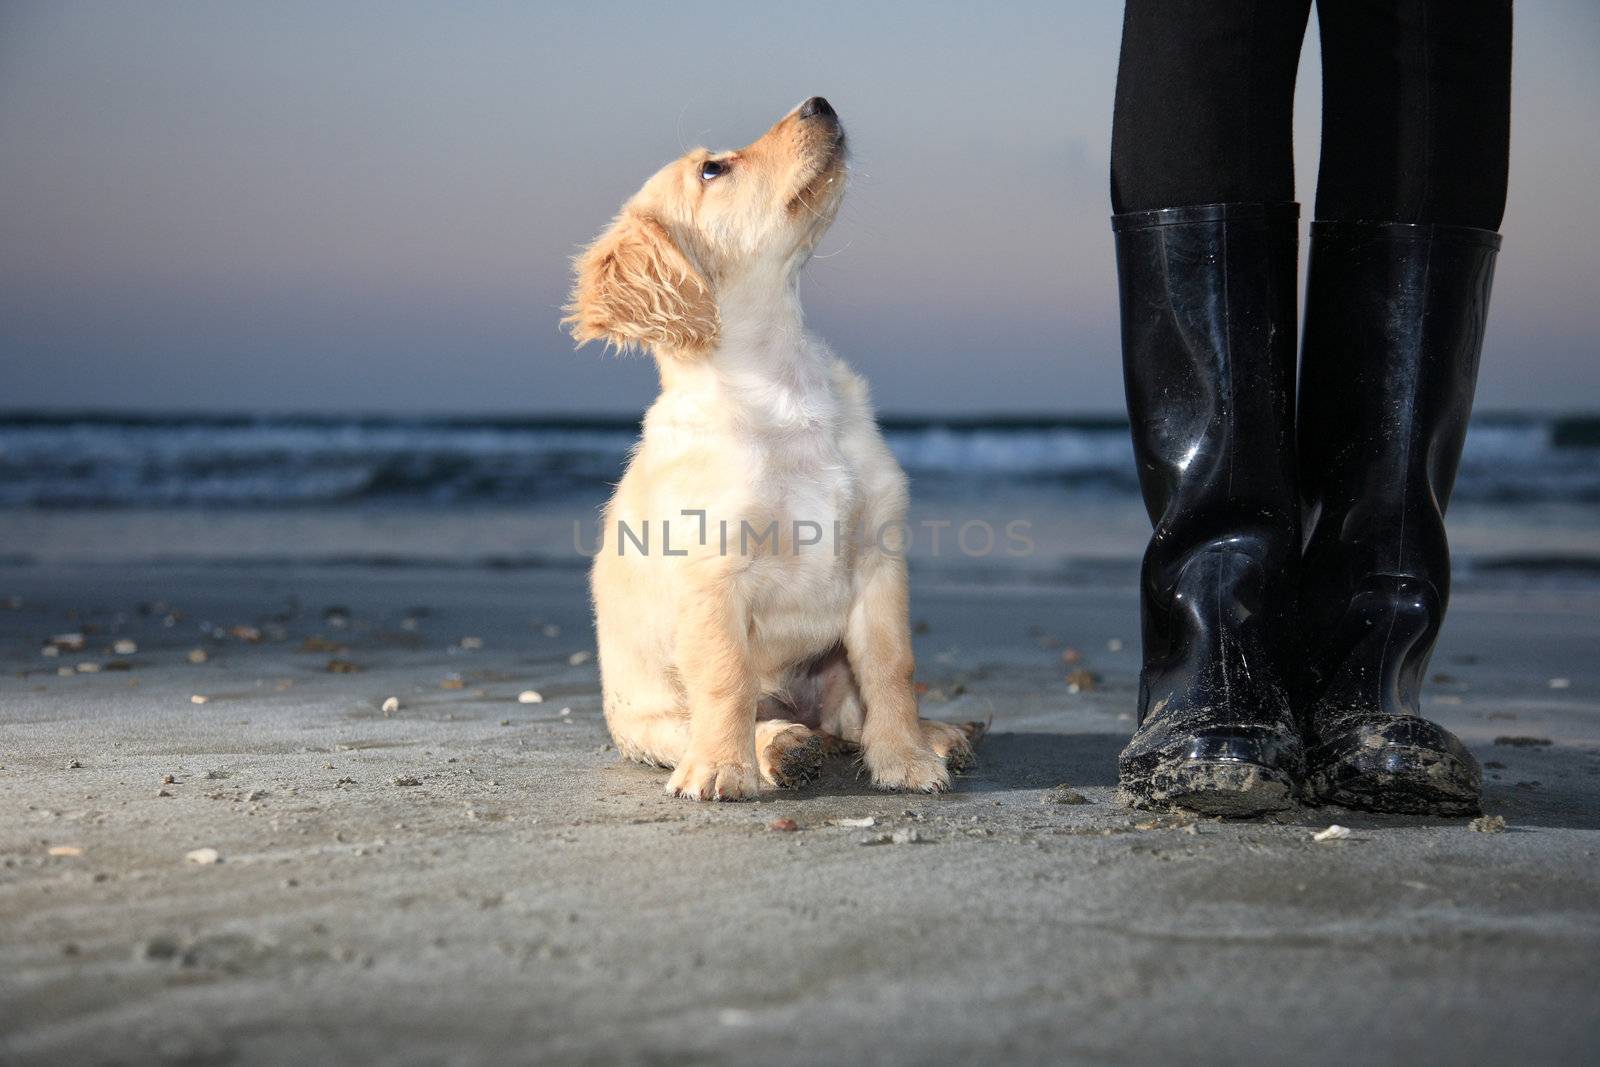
<point>1416,107</point>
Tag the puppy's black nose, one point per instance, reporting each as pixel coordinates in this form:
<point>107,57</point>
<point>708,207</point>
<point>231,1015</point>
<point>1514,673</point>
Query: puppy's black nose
<point>817,106</point>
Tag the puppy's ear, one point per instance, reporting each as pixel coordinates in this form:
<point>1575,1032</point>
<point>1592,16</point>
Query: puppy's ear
<point>635,288</point>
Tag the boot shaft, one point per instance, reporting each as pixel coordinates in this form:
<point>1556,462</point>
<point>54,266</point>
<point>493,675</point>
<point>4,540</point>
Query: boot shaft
<point>1395,316</point>
<point>1208,317</point>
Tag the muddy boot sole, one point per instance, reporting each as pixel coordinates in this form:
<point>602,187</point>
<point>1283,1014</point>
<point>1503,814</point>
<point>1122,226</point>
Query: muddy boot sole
<point>1226,788</point>
<point>1399,780</point>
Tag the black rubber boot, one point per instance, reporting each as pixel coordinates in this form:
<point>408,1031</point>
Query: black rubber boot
<point>1394,324</point>
<point>1208,337</point>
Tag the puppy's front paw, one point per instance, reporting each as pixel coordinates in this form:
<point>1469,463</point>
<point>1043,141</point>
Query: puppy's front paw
<point>907,766</point>
<point>708,780</point>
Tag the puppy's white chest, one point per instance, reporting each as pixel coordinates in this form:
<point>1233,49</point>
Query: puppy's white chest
<point>815,490</point>
<point>806,582</point>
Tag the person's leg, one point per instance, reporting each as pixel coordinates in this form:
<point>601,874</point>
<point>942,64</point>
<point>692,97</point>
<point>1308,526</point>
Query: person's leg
<point>1205,102</point>
<point>1206,254</point>
<point>1412,184</point>
<point>1416,111</point>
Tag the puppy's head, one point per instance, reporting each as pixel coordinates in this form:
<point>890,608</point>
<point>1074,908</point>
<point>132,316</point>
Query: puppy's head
<point>704,226</point>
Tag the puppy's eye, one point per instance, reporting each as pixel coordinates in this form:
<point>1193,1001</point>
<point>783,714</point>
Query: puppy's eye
<point>711,168</point>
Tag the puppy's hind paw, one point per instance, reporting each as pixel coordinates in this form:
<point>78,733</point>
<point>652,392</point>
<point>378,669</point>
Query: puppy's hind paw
<point>790,757</point>
<point>697,780</point>
<point>953,742</point>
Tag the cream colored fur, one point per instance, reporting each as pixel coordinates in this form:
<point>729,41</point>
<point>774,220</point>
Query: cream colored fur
<point>711,658</point>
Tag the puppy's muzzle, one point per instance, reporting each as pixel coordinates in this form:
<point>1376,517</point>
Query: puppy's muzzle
<point>817,110</point>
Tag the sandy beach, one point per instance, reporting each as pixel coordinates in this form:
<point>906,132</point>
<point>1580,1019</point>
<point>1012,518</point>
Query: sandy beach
<point>467,877</point>
<point>328,331</point>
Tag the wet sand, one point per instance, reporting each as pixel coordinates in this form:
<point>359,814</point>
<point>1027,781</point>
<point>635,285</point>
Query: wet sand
<point>469,878</point>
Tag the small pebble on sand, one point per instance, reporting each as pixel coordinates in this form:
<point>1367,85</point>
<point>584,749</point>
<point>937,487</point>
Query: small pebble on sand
<point>1064,794</point>
<point>578,659</point>
<point>906,835</point>
<point>391,705</point>
<point>471,644</point>
<point>124,647</point>
<point>1332,833</point>
<point>160,948</point>
<point>406,780</point>
<point>530,696</point>
<point>198,655</point>
<point>343,666</point>
<point>88,667</point>
<point>1488,824</point>
<point>320,644</point>
<point>1082,681</point>
<point>205,857</point>
<point>198,699</point>
<point>783,826</point>
<point>65,850</point>
<point>453,681</point>
<point>856,824</point>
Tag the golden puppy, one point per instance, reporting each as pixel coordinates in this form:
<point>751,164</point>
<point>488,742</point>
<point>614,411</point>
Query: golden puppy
<point>750,604</point>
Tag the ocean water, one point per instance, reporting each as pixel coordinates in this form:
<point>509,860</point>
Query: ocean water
<point>100,461</point>
<point>524,493</point>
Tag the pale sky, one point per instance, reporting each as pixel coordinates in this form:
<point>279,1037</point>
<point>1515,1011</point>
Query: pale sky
<point>340,206</point>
